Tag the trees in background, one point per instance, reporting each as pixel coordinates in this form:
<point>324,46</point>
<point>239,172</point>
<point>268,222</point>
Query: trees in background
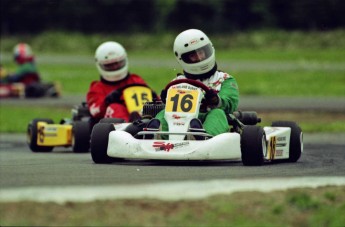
<point>122,16</point>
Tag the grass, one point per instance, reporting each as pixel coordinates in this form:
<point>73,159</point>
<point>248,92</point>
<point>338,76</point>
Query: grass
<point>323,206</point>
<point>60,42</point>
<point>14,119</point>
<point>252,78</point>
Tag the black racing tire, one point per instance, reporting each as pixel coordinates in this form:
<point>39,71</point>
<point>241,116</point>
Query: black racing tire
<point>247,117</point>
<point>136,127</point>
<point>31,135</point>
<point>296,139</point>
<point>112,120</point>
<point>253,145</point>
<point>81,136</point>
<point>99,143</point>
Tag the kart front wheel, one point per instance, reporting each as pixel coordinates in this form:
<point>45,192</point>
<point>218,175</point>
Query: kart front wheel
<point>296,139</point>
<point>99,142</point>
<point>33,133</point>
<point>253,145</point>
<point>81,136</point>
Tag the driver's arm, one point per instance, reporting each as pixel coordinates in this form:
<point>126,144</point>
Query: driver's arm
<point>229,95</point>
<point>96,100</point>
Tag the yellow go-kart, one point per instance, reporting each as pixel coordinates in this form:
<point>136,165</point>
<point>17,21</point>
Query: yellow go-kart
<point>43,135</point>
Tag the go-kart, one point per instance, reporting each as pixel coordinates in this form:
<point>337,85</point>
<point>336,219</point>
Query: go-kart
<point>33,90</point>
<point>246,140</point>
<point>43,135</point>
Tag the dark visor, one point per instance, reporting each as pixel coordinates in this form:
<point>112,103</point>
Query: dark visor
<point>113,66</point>
<point>197,55</point>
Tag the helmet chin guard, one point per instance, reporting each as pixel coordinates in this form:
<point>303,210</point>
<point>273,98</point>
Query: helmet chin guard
<point>111,61</point>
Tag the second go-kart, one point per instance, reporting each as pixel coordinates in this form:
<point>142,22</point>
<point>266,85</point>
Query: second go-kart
<point>246,140</point>
<point>43,135</point>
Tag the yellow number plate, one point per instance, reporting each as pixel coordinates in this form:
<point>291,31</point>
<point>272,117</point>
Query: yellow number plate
<point>135,97</point>
<point>179,100</point>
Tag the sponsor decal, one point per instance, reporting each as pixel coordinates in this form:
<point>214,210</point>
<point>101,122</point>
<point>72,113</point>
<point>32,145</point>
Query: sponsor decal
<point>272,148</point>
<point>163,146</point>
<point>108,112</point>
<point>43,132</point>
<point>50,135</point>
<point>193,41</point>
<point>184,87</point>
<point>189,87</point>
<point>178,123</point>
<point>281,141</point>
<point>279,152</point>
<point>216,83</point>
<point>50,129</point>
<point>94,109</point>
<point>175,116</point>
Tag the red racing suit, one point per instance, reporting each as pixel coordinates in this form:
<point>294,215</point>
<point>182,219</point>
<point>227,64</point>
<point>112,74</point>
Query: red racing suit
<point>99,90</point>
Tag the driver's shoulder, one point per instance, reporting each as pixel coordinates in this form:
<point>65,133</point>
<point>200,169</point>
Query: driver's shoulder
<point>180,76</point>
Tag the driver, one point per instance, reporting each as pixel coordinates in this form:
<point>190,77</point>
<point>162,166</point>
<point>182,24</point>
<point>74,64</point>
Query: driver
<point>104,98</point>
<point>27,72</point>
<point>195,53</point>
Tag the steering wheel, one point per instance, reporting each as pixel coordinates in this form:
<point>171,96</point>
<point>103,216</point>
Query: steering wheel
<point>188,81</point>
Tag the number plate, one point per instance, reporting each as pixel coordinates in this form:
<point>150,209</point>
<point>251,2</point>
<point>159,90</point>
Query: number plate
<point>135,97</point>
<point>180,100</point>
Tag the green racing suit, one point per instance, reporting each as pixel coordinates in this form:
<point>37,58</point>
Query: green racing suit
<point>214,120</point>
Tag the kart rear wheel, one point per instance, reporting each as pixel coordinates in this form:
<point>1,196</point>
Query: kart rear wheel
<point>32,133</point>
<point>99,143</point>
<point>112,120</point>
<point>296,139</point>
<point>81,136</point>
<point>253,145</point>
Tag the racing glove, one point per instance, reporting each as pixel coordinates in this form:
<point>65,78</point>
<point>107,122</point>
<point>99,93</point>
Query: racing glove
<point>164,95</point>
<point>113,97</point>
<point>212,98</point>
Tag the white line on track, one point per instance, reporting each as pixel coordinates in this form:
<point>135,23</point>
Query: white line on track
<point>186,190</point>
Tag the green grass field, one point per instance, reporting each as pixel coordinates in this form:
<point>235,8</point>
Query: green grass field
<point>324,206</point>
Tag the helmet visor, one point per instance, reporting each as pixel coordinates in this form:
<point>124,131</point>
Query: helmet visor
<point>113,66</point>
<point>197,55</point>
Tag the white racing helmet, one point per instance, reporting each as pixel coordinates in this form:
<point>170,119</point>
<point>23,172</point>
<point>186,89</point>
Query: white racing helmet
<point>191,43</point>
<point>111,61</point>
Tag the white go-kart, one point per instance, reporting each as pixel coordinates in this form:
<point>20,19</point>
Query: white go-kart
<point>246,141</point>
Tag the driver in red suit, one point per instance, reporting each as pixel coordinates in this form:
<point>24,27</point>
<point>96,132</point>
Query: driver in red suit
<point>104,98</point>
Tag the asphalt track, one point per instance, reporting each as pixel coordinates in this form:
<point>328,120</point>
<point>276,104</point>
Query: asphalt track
<point>65,176</point>
<point>62,175</point>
